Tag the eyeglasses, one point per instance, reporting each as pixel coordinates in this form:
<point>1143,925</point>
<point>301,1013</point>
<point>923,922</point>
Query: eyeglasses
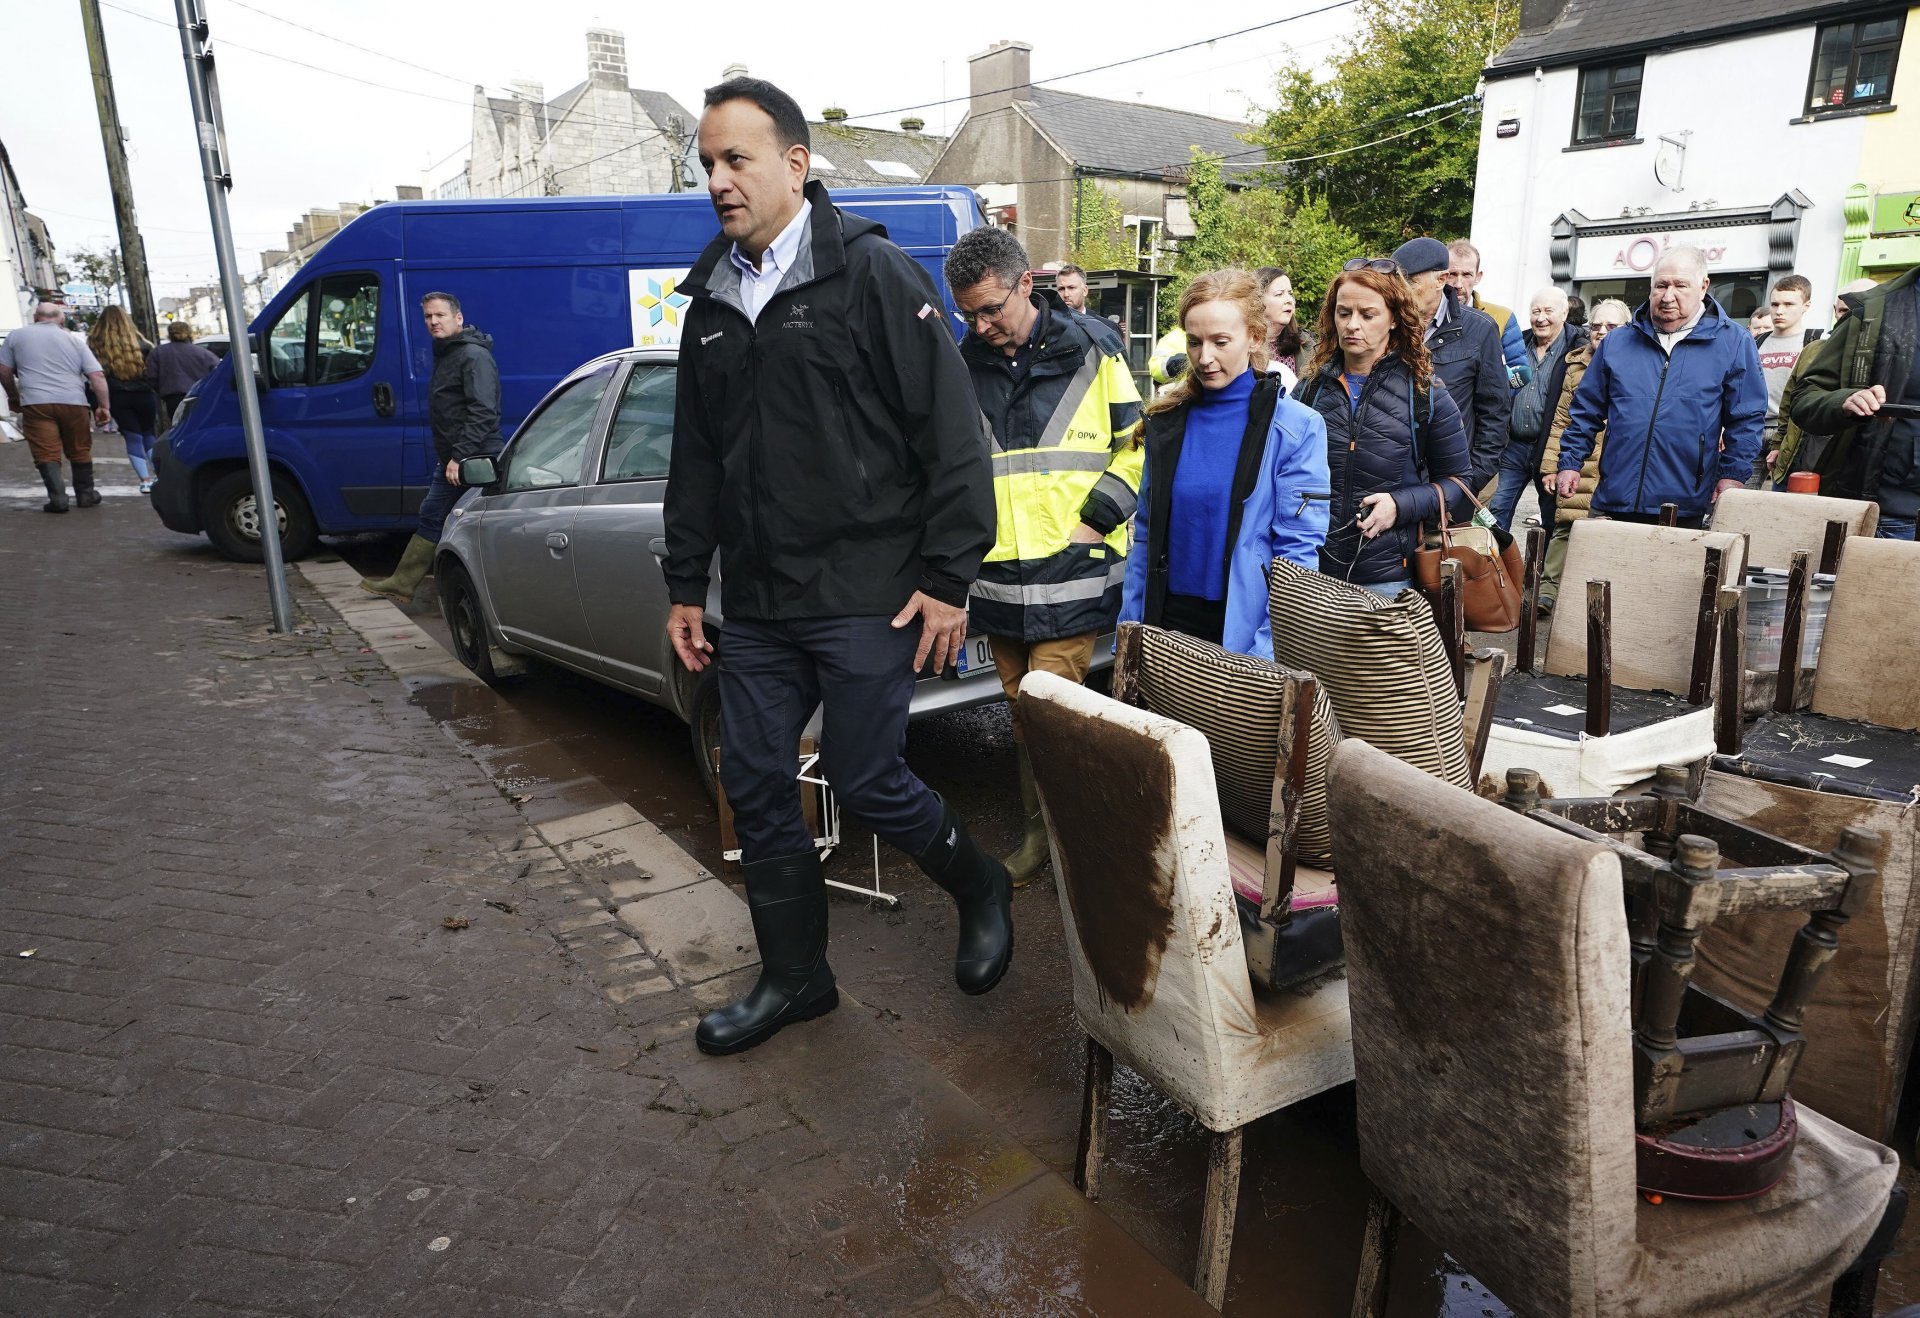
<point>987,313</point>
<point>1386,265</point>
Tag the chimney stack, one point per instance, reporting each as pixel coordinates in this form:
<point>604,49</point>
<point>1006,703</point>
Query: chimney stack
<point>525,89</point>
<point>912,124</point>
<point>999,75</point>
<point>607,59</point>
<point>734,70</point>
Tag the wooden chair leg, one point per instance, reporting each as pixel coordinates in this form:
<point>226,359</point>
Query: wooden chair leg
<point>1216,1216</point>
<point>1094,1096</point>
<point>1376,1258</point>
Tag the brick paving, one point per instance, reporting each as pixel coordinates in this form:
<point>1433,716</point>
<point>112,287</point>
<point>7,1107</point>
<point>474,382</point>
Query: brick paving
<point>246,1066</point>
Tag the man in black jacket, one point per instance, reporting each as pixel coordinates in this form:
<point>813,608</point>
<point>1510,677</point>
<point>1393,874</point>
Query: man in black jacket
<point>463,410</point>
<point>1465,345</point>
<point>828,444</point>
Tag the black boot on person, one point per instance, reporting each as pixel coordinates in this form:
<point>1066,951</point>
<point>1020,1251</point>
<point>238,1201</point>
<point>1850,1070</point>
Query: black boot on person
<point>983,890</point>
<point>788,900</point>
<point>55,480</point>
<point>84,494</point>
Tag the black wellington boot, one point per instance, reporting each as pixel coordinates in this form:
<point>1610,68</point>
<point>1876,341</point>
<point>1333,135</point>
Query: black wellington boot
<point>983,890</point>
<point>84,495</point>
<point>55,479</point>
<point>788,898</point>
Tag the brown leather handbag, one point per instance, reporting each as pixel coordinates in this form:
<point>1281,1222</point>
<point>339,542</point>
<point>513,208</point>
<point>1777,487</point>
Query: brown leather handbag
<point>1491,569</point>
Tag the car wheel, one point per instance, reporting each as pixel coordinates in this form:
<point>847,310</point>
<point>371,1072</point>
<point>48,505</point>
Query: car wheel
<point>703,722</point>
<point>467,622</point>
<point>232,517</point>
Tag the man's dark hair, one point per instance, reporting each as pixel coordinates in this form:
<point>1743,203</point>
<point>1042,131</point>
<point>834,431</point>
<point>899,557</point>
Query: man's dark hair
<point>1069,269</point>
<point>789,124</point>
<point>453,303</point>
<point>983,252</point>
<point>1796,284</point>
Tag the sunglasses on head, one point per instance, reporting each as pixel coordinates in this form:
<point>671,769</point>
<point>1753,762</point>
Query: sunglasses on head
<point>1385,265</point>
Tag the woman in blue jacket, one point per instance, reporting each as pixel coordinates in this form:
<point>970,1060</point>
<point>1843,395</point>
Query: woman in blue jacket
<point>1391,436</point>
<point>1235,477</point>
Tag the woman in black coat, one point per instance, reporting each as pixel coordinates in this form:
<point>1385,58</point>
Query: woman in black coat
<point>1391,436</point>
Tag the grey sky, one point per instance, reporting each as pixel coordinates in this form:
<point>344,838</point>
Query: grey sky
<point>301,138</point>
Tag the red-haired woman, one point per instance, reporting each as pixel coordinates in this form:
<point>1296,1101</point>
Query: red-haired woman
<point>1391,436</point>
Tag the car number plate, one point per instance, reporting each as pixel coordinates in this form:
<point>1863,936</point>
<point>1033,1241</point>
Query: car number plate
<point>976,653</point>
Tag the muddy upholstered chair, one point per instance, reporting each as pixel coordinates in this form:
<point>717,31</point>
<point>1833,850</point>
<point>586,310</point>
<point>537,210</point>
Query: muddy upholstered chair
<point>1852,759</point>
<point>1490,974</point>
<point>1159,975</point>
<point>1632,685</point>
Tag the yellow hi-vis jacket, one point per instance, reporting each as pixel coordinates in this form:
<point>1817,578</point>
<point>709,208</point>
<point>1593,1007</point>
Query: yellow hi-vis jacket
<point>1064,452</point>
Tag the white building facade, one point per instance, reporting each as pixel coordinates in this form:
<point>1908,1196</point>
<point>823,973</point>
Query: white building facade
<point>1614,129</point>
<point>26,252</point>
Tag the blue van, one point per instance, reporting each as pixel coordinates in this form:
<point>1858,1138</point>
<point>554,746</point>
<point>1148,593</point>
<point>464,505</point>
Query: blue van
<point>345,361</point>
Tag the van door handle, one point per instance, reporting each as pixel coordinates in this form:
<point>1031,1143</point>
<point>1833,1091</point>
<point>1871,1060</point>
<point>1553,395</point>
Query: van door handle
<point>556,540</point>
<point>657,546</point>
<point>383,399</point>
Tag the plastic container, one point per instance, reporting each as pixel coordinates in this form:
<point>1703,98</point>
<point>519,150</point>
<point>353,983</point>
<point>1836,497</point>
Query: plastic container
<point>1767,618</point>
<point>1803,482</point>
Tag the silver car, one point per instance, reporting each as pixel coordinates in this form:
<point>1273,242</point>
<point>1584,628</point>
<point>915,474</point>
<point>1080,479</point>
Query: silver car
<point>558,555</point>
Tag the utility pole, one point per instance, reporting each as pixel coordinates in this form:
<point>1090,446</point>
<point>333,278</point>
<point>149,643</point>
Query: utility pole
<point>204,91</point>
<point>133,252</point>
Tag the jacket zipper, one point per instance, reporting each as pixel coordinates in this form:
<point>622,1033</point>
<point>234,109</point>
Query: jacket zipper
<point>853,445</point>
<point>1653,419</point>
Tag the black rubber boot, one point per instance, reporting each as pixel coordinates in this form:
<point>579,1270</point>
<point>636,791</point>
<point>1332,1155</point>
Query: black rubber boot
<point>983,890</point>
<point>56,483</point>
<point>788,898</point>
<point>84,495</point>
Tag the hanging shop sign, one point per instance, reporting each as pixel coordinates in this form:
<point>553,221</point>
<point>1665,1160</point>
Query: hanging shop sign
<point>1633,255</point>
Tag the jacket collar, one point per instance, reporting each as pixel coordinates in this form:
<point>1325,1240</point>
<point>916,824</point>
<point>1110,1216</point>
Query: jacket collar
<point>1712,321</point>
<point>824,253</point>
<point>1058,337</point>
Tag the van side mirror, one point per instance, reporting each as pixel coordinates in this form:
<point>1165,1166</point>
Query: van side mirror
<point>478,471</point>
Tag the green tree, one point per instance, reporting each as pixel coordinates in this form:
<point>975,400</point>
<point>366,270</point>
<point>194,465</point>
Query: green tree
<point>1255,226</point>
<point>100,268</point>
<point>1100,240</point>
<point>1403,56</point>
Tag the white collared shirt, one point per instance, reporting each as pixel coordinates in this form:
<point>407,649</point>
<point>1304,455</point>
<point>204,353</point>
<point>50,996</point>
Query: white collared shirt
<point>1668,340</point>
<point>757,283</point>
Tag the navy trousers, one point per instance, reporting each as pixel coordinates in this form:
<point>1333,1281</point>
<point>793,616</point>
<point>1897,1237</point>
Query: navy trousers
<point>772,675</point>
<point>441,496</point>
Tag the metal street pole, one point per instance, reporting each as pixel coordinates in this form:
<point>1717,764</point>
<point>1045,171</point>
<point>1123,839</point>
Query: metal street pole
<point>204,89</point>
<point>133,252</point>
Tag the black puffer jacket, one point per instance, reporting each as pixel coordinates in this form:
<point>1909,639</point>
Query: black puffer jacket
<point>463,399</point>
<point>1371,450</point>
<point>1467,359</point>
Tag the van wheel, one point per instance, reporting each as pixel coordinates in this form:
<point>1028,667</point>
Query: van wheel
<point>703,721</point>
<point>467,623</point>
<point>232,518</point>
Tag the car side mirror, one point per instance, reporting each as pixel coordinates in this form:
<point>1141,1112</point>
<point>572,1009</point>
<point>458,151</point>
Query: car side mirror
<point>478,471</point>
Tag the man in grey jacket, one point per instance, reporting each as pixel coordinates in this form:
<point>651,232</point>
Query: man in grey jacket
<point>463,408</point>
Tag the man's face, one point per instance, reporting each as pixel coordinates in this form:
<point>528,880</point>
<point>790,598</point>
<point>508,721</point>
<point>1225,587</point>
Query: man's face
<point>1464,275</point>
<point>1676,295</point>
<point>1789,309</point>
<point>1428,289</point>
<point>1547,316</point>
<point>754,185</point>
<point>1072,290</point>
<point>443,322</point>
<point>1001,316</point>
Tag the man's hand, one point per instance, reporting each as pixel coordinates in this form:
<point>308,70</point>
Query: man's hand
<point>1566,484</point>
<point>1773,456</point>
<point>1866,402</point>
<point>1379,514</point>
<point>943,629</point>
<point>1722,487</point>
<point>689,637</point>
<point>453,472</point>
<point>102,416</point>
<point>1085,535</point>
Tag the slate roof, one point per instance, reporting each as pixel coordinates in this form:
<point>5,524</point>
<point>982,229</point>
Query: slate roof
<point>1125,137</point>
<point>871,157</point>
<point>1595,27</point>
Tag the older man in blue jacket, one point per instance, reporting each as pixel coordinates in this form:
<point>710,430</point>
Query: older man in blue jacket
<point>1681,397</point>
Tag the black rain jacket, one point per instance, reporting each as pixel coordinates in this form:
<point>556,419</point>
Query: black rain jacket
<point>831,450</point>
<point>463,398</point>
<point>1468,360</point>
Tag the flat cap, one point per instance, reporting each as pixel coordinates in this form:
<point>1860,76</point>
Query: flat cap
<point>1416,256</point>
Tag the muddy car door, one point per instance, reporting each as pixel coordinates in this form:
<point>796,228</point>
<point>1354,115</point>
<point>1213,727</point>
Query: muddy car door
<point>618,525</point>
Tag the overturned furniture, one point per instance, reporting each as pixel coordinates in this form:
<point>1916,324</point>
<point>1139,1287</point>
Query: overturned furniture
<point>1491,976</point>
<point>1851,760</point>
<point>1652,673</point>
<point>1711,1102</point>
<point>1154,941</point>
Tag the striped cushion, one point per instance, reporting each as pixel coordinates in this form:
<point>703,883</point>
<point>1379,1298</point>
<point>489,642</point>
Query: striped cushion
<point>1383,665</point>
<point>1238,701</point>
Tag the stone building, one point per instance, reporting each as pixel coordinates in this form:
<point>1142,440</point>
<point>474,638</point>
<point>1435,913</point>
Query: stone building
<point>601,136</point>
<point>308,234</point>
<point>1034,154</point>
